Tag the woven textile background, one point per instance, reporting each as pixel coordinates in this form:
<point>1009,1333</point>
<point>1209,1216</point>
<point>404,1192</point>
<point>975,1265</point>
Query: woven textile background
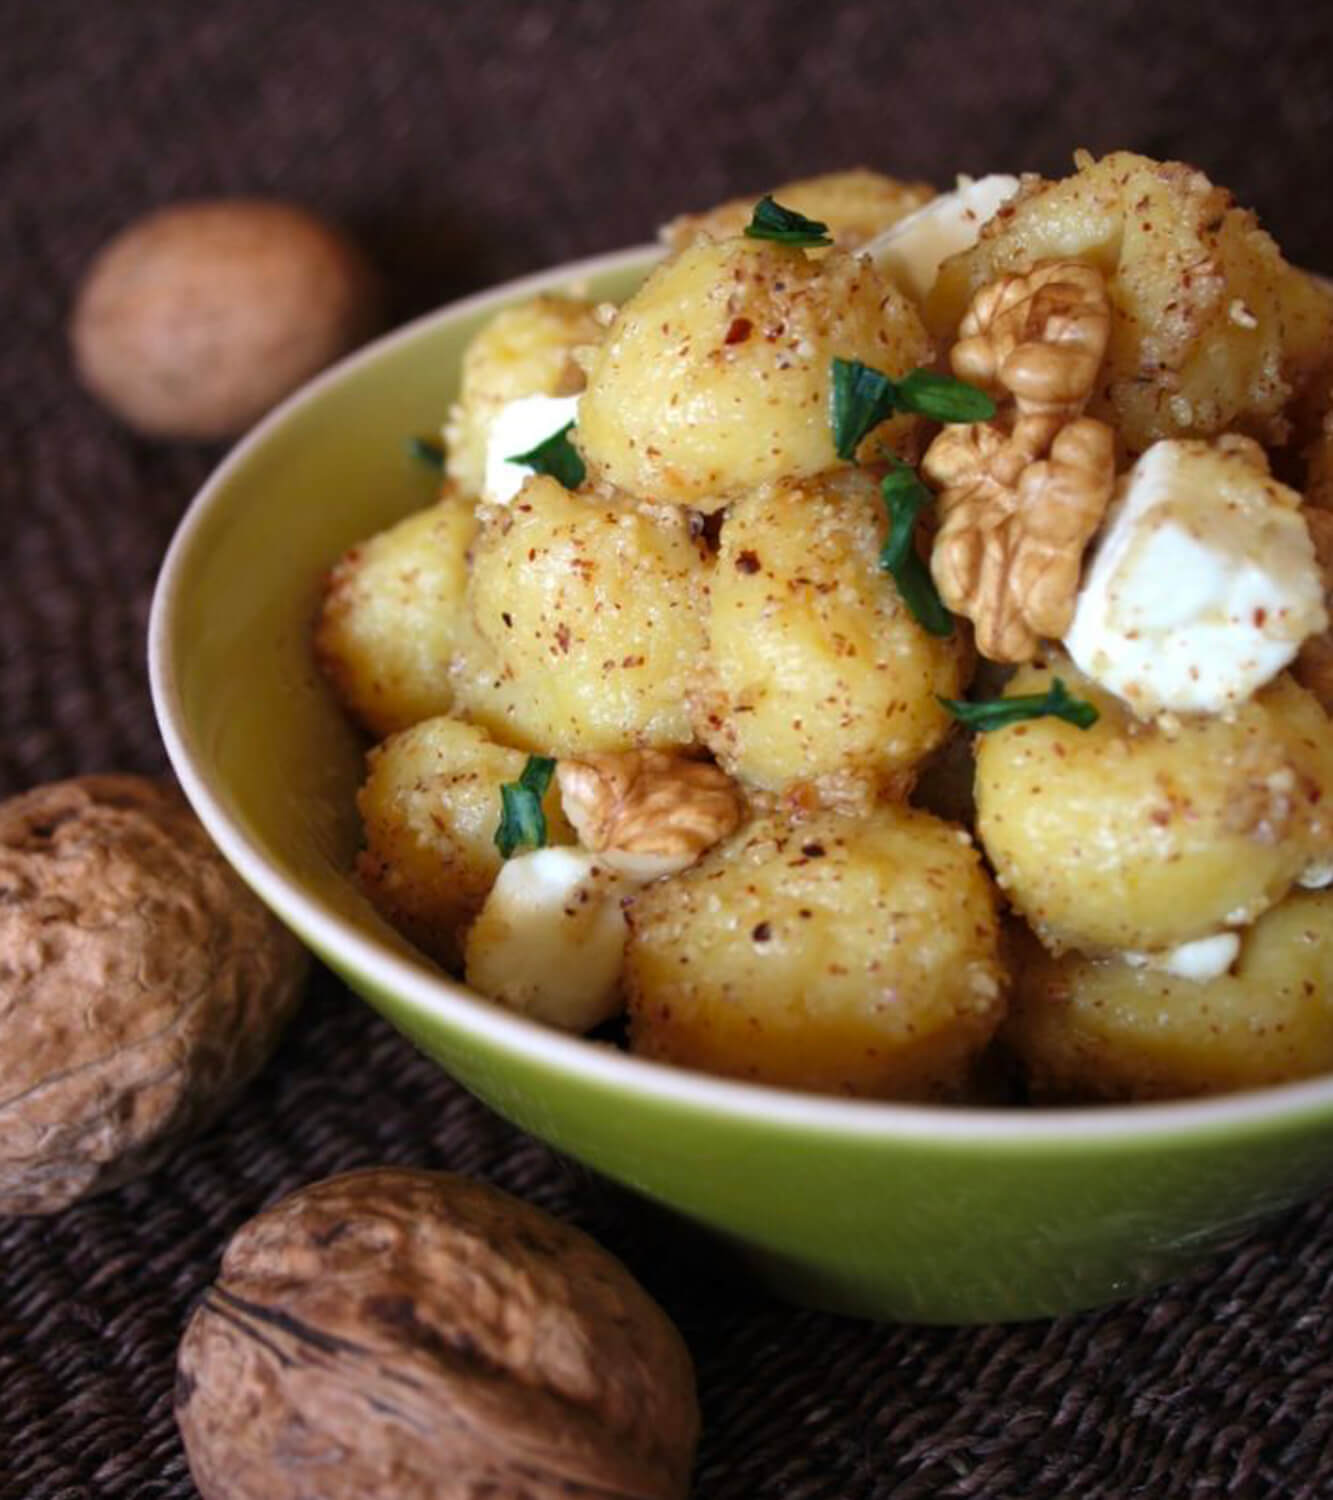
<point>463,143</point>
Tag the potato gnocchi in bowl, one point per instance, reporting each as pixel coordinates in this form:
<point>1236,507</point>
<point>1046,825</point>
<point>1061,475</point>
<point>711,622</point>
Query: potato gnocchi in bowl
<point>887,655</point>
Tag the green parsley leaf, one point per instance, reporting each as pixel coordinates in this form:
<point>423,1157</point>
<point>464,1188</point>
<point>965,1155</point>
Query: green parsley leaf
<point>905,497</point>
<point>555,456</point>
<point>522,821</point>
<point>426,451</point>
<point>942,398</point>
<point>862,399</point>
<point>997,713</point>
<point>770,221</point>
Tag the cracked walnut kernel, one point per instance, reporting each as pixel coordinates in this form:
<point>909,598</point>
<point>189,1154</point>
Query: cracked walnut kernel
<point>1039,336</point>
<point>1022,495</point>
<point>1014,526</point>
<point>647,802</point>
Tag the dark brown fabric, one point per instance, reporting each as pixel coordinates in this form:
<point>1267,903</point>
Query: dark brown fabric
<point>464,143</point>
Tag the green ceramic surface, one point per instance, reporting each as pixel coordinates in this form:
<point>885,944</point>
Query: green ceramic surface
<point>910,1212</point>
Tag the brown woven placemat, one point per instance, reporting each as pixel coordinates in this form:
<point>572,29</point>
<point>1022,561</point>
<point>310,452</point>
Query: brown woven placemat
<point>464,143</point>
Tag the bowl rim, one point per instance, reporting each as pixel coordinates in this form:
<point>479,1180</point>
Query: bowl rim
<point>434,995</point>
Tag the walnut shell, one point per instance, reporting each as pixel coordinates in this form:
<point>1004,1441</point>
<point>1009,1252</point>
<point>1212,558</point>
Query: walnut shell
<point>140,985</point>
<point>410,1334</point>
<point>194,321</point>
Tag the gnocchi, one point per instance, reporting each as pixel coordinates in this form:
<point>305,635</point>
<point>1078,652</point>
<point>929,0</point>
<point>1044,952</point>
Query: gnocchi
<point>391,615</point>
<point>1211,330</point>
<point>854,955</point>
<point>856,206</point>
<point>1104,1029</point>
<point>532,349</point>
<point>715,376</point>
<point>1143,836</point>
<point>816,671</point>
<point>583,623</point>
<point>429,808</point>
<point>675,721</point>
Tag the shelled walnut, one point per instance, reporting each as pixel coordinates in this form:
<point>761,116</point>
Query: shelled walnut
<point>1015,524</point>
<point>550,940</point>
<point>648,803</point>
<point>141,984</point>
<point>1022,496</point>
<point>409,1334</point>
<point>1039,338</point>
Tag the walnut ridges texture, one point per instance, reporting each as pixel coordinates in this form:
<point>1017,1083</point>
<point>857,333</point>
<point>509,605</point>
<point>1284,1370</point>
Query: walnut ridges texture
<point>648,802</point>
<point>140,985</point>
<point>1022,496</point>
<point>1014,525</point>
<point>409,1334</point>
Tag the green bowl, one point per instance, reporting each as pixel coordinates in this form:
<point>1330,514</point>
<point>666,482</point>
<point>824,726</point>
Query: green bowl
<point>909,1212</point>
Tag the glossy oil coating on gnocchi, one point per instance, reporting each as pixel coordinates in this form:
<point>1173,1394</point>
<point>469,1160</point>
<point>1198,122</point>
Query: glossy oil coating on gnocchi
<point>888,655</point>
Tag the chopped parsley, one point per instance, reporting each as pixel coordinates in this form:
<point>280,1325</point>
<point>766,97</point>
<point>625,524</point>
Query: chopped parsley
<point>904,498</point>
<point>770,221</point>
<point>522,821</point>
<point>998,713</point>
<point>555,456</point>
<point>942,398</point>
<point>864,397</point>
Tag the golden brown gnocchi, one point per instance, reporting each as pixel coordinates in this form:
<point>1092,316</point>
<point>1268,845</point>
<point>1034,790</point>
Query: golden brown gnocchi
<point>429,807</point>
<point>527,350</point>
<point>1211,330</point>
<point>855,955</point>
<point>584,623</point>
<point>856,205</point>
<point>715,376</point>
<point>697,571</point>
<point>816,672</point>
<point>1104,1029</point>
<point>1145,836</point>
<point>390,618</point>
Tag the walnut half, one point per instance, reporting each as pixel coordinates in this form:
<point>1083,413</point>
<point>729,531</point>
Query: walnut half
<point>648,804</point>
<point>1022,496</point>
<point>1010,549</point>
<point>1040,337</point>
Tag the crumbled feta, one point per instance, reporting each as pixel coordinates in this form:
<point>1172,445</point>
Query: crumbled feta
<point>550,940</point>
<point>518,427</point>
<point>1204,958</point>
<point>912,250</point>
<point>1203,585</point>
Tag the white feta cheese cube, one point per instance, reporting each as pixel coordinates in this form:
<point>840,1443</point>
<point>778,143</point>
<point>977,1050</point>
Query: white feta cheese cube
<point>1204,582</point>
<point>913,250</point>
<point>518,427</point>
<point>550,940</point>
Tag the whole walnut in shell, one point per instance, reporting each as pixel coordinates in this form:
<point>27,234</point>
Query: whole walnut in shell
<point>141,983</point>
<point>409,1334</point>
<point>194,321</point>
